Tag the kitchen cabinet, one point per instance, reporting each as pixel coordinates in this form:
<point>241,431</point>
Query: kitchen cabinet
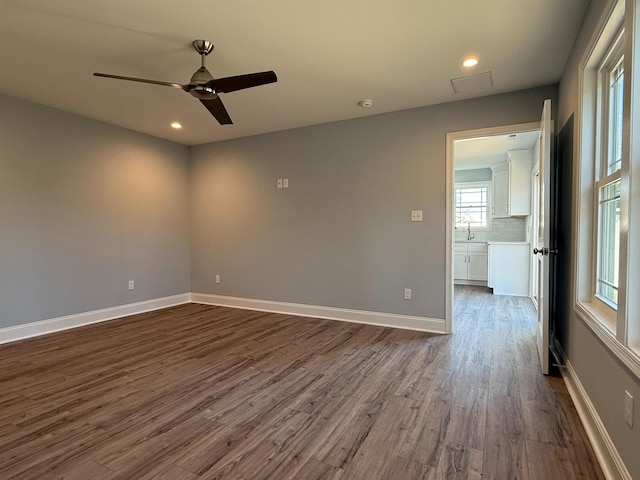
<point>511,182</point>
<point>470,261</point>
<point>509,268</point>
<point>500,207</point>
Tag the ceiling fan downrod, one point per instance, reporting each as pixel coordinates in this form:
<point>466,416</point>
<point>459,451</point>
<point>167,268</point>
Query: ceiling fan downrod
<point>202,76</point>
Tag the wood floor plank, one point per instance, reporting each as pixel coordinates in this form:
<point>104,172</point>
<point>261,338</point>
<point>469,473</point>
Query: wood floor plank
<point>548,461</point>
<point>82,470</point>
<point>349,435</point>
<point>404,468</point>
<point>459,462</point>
<point>164,471</point>
<point>314,470</point>
<point>505,452</point>
<point>378,451</point>
<point>579,449</point>
<point>198,391</point>
<point>431,443</point>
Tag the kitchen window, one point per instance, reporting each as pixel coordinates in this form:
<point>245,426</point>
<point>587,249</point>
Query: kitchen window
<point>472,205</point>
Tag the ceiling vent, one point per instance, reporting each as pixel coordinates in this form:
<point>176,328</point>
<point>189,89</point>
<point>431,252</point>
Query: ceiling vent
<point>472,83</point>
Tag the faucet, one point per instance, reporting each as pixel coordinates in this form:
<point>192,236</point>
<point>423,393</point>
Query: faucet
<point>470,236</point>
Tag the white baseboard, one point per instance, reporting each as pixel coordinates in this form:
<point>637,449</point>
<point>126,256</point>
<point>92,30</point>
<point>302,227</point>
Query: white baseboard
<point>42,327</point>
<point>33,329</point>
<point>408,322</point>
<point>610,461</point>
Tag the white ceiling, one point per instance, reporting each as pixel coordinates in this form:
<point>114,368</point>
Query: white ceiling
<point>482,152</point>
<point>328,54</point>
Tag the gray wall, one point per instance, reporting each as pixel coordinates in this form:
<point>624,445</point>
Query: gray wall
<point>602,375</point>
<point>340,235</point>
<point>85,207</point>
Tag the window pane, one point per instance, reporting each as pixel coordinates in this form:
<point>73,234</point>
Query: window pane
<point>471,206</point>
<point>608,242</point>
<point>616,87</point>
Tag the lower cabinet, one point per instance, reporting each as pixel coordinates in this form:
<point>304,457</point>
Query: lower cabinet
<point>509,268</point>
<point>470,261</point>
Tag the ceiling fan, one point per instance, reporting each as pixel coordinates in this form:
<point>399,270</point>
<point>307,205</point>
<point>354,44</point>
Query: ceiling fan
<point>206,88</point>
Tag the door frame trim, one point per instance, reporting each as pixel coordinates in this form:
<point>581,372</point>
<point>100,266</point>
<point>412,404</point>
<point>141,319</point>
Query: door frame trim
<point>451,137</point>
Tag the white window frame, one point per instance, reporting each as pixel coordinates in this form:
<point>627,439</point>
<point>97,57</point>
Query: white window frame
<point>611,57</point>
<point>604,304</point>
<point>618,329</point>
<point>488,185</point>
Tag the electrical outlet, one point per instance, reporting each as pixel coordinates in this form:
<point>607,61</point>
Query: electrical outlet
<point>628,408</point>
<point>407,294</point>
<point>217,278</point>
<point>416,215</point>
<point>131,285</point>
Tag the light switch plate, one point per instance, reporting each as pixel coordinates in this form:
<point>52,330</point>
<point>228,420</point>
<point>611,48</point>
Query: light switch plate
<point>416,215</point>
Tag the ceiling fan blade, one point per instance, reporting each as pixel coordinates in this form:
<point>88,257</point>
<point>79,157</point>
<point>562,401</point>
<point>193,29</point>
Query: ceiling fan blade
<point>239,82</point>
<point>144,80</point>
<point>216,107</point>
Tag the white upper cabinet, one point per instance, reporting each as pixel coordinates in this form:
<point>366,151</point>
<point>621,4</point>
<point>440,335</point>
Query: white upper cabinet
<point>512,185</point>
<point>520,182</point>
<point>500,206</point>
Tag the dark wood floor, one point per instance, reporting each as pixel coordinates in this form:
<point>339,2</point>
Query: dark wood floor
<point>215,393</point>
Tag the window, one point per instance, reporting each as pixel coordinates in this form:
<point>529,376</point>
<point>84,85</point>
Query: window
<point>607,183</point>
<point>608,227</point>
<point>614,98</point>
<point>608,243</point>
<point>471,205</point>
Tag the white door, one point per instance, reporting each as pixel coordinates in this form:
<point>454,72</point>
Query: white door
<point>543,241</point>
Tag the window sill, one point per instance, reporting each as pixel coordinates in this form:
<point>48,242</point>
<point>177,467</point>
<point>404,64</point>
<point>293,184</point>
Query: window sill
<point>600,325</point>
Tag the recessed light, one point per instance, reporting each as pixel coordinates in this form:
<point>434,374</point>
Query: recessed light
<point>365,103</point>
<point>176,125</point>
<point>470,62</point>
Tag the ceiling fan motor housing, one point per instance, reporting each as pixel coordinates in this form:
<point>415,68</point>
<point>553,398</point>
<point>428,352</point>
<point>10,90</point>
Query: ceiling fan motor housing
<point>199,87</point>
<point>203,92</point>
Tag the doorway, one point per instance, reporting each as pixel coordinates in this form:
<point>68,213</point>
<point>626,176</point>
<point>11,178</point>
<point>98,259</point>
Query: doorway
<point>477,222</point>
